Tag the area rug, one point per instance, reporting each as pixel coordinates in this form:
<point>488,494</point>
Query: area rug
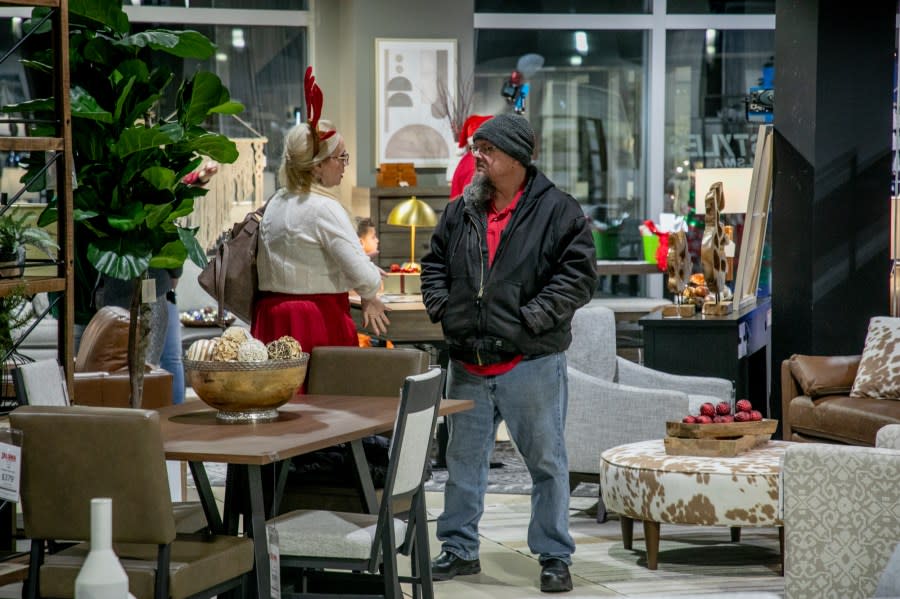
<point>509,476</point>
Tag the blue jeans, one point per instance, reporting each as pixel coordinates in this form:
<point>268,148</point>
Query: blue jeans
<point>171,353</point>
<point>532,399</point>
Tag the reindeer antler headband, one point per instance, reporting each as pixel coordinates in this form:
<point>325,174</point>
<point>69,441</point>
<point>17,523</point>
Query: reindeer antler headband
<point>314,102</point>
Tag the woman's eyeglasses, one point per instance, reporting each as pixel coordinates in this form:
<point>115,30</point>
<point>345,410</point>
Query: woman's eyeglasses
<point>343,157</point>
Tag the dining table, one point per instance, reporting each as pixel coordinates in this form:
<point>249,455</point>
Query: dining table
<point>307,423</point>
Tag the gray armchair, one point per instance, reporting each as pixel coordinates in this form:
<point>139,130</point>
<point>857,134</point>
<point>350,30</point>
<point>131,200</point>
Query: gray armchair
<point>613,401</point>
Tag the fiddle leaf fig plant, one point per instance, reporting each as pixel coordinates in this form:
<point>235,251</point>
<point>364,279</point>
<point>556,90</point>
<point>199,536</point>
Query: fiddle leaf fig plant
<point>129,160</point>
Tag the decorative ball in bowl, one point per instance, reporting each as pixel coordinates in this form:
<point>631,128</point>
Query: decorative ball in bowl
<point>246,392</point>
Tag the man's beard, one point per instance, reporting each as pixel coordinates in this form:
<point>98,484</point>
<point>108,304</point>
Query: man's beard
<point>480,191</point>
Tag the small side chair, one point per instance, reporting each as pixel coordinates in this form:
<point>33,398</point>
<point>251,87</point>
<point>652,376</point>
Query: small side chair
<point>65,464</point>
<point>364,547</point>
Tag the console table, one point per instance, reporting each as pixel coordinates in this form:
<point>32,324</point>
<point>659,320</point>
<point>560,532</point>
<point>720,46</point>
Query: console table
<point>736,347</point>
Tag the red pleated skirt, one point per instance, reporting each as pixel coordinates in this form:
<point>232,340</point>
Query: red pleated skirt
<point>312,319</point>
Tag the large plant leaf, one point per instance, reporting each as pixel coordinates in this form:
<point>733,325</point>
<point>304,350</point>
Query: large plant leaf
<point>38,105</point>
<point>124,258</point>
<point>191,44</point>
<point>98,50</point>
<point>171,255</point>
<point>37,65</point>
<point>230,107</point>
<point>184,44</point>
<point>157,39</point>
<point>31,25</point>
<point>123,97</point>
<point>129,217</point>
<point>135,68</point>
<point>194,250</point>
<point>218,147</point>
<point>203,92</point>
<point>85,106</point>
<point>83,215</point>
<point>185,207</point>
<point>159,177</point>
<point>139,138</point>
<point>157,214</point>
<point>106,12</point>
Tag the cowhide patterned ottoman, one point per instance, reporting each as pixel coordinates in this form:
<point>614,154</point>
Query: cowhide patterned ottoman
<point>640,481</point>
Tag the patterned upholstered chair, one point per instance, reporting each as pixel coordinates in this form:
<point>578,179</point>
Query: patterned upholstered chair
<point>613,401</point>
<point>841,518</point>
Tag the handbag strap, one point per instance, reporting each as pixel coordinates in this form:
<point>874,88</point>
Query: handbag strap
<point>221,266</point>
<point>220,270</point>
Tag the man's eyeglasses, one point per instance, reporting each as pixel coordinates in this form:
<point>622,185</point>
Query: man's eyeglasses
<point>482,150</point>
<point>343,157</point>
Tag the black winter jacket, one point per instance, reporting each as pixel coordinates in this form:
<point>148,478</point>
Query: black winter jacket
<point>523,303</point>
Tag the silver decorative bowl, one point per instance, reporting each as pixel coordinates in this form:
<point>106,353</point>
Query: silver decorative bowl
<point>246,392</point>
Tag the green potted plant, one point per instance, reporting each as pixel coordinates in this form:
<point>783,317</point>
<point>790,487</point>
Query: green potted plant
<point>15,234</point>
<point>129,158</point>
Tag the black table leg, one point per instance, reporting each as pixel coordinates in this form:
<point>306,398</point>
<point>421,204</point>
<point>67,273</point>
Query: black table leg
<point>207,500</point>
<point>364,477</point>
<point>257,529</point>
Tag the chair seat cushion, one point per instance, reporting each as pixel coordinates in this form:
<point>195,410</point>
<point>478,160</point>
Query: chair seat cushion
<point>851,420</point>
<point>319,533</point>
<point>196,564</point>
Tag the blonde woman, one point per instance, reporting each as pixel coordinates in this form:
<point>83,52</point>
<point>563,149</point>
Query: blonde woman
<point>309,254</point>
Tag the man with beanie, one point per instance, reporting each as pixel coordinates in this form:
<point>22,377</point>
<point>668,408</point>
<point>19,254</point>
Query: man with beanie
<point>508,267</point>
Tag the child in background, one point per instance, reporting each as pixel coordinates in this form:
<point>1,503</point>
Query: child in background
<point>365,230</point>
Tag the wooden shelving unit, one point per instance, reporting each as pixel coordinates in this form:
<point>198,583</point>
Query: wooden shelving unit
<point>61,147</point>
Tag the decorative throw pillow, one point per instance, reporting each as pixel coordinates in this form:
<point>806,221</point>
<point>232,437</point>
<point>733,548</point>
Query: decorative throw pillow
<point>879,370</point>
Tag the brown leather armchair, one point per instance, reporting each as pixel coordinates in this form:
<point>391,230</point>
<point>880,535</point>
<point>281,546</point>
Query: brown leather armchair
<point>816,405</point>
<point>101,366</point>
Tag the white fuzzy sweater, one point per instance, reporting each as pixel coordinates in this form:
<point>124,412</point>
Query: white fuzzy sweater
<point>307,244</point>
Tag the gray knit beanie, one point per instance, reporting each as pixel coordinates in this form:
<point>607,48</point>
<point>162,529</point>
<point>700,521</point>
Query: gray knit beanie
<point>511,133</point>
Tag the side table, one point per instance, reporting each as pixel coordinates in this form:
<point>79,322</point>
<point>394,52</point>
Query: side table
<point>736,347</point>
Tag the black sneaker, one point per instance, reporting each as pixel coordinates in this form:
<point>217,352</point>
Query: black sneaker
<point>448,565</point>
<point>555,577</point>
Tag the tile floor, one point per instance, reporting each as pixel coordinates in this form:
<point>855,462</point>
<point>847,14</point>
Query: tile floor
<point>694,561</point>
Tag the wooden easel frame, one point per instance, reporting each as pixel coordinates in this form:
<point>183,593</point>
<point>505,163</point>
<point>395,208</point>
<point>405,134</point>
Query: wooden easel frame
<point>756,221</point>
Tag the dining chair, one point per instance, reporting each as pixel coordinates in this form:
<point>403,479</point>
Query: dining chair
<point>335,370</point>
<point>40,383</point>
<point>363,548</point>
<point>64,466</point>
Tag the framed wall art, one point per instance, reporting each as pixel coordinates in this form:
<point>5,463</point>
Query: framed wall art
<point>755,223</point>
<point>410,124</point>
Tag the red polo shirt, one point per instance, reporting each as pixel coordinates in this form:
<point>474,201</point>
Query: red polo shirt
<point>496,222</point>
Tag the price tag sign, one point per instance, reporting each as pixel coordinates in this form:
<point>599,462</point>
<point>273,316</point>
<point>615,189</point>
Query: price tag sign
<point>274,562</point>
<point>148,291</point>
<point>10,470</point>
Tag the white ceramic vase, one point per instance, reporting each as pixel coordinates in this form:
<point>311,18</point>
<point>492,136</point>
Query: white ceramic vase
<point>102,576</point>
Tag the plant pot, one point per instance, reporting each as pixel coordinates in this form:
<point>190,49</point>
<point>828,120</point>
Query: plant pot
<point>12,264</point>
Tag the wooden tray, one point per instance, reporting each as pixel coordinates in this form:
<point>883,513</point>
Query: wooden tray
<point>721,430</point>
<point>714,448</point>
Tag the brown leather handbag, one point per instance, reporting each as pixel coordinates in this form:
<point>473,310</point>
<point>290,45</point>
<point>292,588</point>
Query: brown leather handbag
<point>230,276</point>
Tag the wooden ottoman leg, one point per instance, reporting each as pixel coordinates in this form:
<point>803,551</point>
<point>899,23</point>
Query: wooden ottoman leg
<point>627,525</point>
<point>735,534</point>
<point>651,540</point>
<point>781,546</point>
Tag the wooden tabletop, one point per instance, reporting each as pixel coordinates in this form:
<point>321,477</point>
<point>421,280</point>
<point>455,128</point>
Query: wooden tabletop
<point>409,320</point>
<point>310,422</point>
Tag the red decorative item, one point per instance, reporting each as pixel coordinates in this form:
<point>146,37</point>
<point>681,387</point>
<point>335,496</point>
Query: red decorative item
<point>314,101</point>
<point>662,250</point>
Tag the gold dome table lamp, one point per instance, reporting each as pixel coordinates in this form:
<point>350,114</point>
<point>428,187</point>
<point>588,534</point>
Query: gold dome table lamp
<point>412,213</point>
